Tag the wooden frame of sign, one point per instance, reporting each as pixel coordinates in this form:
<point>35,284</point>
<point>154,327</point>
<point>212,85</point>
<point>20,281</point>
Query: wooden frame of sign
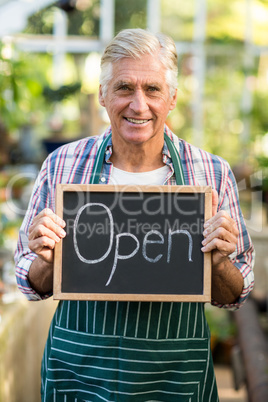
<point>132,243</point>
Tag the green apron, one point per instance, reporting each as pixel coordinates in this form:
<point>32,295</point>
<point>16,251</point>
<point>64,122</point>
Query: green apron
<point>129,351</point>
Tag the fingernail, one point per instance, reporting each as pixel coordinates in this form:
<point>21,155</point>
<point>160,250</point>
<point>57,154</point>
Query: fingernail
<point>62,233</point>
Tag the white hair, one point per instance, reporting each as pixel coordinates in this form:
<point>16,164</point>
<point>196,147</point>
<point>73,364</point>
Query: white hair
<point>134,43</point>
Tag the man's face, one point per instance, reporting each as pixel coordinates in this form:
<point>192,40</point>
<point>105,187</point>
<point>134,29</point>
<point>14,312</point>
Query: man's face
<point>138,100</point>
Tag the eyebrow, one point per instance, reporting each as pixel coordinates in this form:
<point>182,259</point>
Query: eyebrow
<point>119,84</point>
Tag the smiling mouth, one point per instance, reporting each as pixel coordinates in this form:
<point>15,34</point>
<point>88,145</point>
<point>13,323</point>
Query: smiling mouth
<point>135,121</point>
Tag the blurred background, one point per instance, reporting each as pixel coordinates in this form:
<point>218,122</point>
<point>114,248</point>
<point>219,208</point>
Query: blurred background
<point>49,70</point>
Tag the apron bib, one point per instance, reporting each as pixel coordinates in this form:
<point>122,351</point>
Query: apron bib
<point>128,351</point>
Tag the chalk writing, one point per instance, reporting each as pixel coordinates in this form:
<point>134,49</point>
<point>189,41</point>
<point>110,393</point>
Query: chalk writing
<point>117,256</point>
<point>146,241</point>
<point>151,237</point>
<point>81,258</point>
<point>170,243</point>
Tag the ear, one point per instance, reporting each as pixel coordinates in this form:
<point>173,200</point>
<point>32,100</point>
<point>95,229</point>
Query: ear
<point>173,101</point>
<point>101,97</point>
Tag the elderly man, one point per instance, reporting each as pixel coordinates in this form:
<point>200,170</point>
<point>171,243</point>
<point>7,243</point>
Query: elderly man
<point>134,351</point>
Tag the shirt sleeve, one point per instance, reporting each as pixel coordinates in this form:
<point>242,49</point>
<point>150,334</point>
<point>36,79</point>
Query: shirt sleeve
<point>24,257</point>
<point>244,255</point>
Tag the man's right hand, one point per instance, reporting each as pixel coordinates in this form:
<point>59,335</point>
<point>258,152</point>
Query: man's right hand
<point>46,230</point>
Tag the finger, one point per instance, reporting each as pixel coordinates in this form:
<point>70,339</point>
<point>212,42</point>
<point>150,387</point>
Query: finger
<point>47,212</point>
<point>42,230</point>
<point>221,214</point>
<point>45,222</point>
<point>221,234</point>
<point>215,199</point>
<point>224,247</point>
<point>221,219</point>
<point>40,244</point>
<point>221,228</point>
<point>45,253</point>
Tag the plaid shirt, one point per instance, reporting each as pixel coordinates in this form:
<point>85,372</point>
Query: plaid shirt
<point>72,163</point>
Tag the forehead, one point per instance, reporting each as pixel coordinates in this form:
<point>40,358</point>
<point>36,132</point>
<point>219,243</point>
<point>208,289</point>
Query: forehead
<point>147,68</point>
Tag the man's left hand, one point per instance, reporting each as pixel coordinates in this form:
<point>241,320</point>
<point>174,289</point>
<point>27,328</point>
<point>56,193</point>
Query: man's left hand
<point>220,234</point>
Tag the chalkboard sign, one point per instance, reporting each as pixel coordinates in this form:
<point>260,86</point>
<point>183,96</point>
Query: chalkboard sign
<point>132,243</point>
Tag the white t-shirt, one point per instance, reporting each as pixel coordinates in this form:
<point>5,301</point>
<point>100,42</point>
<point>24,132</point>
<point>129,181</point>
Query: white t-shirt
<point>154,177</point>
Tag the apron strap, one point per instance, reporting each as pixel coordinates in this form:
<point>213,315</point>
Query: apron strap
<point>176,160</point>
<point>98,162</point>
<point>175,157</point>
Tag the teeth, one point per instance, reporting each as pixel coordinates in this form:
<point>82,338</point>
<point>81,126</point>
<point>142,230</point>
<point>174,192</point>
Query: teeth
<point>136,121</point>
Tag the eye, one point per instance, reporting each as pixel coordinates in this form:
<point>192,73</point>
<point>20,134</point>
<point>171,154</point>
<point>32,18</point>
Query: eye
<point>124,87</point>
<point>153,89</point>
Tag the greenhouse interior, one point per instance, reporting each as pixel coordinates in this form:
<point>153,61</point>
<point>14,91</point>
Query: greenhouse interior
<point>50,56</point>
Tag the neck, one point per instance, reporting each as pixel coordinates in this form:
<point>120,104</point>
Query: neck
<point>137,157</point>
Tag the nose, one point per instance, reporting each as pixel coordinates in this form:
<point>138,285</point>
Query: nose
<point>139,102</point>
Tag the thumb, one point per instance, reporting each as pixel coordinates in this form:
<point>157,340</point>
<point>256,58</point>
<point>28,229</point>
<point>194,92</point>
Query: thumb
<point>215,199</point>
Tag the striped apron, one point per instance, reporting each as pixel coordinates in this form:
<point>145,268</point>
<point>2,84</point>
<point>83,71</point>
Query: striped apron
<point>119,351</point>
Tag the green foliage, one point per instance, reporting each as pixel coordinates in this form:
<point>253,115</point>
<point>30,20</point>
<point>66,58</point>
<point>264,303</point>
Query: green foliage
<point>177,19</point>
<point>63,92</point>
<point>85,22</point>
<point>224,119</point>
<point>41,22</point>
<point>21,84</point>
<point>259,112</point>
<point>225,20</point>
<point>220,323</point>
<point>221,111</point>
<point>130,14</point>
<point>262,162</point>
<point>80,22</point>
